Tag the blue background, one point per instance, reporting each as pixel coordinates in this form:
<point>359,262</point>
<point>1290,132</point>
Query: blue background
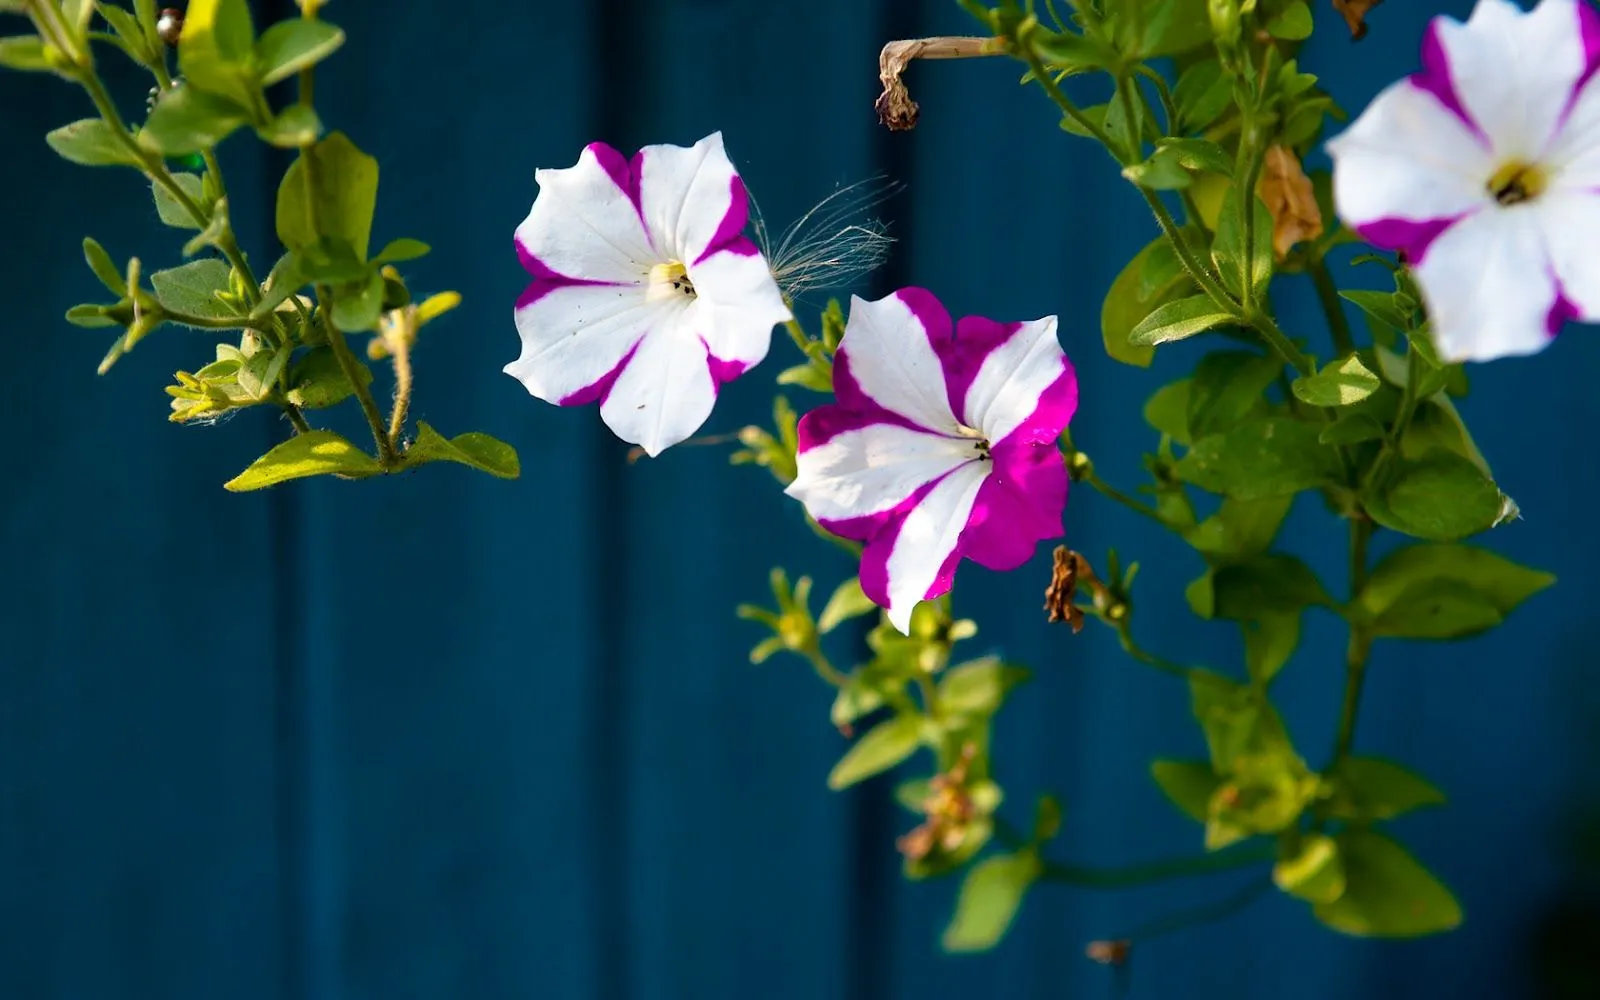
<point>447,736</point>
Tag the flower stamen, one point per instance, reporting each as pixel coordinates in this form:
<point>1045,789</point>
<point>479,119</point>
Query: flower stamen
<point>1517,182</point>
<point>670,280</point>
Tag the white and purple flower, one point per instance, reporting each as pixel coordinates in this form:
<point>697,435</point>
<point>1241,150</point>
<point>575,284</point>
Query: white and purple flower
<point>646,296</point>
<point>942,445</point>
<point>1484,170</point>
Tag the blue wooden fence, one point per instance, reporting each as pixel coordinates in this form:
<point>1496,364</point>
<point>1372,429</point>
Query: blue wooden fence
<point>452,737</point>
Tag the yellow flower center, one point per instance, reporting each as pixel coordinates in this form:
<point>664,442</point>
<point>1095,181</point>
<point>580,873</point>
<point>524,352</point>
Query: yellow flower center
<point>1517,182</point>
<point>670,280</point>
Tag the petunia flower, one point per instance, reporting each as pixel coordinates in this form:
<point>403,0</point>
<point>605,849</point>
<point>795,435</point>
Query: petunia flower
<point>1484,170</point>
<point>942,445</point>
<point>646,296</point>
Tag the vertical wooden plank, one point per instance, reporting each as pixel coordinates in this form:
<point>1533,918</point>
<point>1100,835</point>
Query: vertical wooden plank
<point>137,776</point>
<point>737,861</point>
<point>451,623</point>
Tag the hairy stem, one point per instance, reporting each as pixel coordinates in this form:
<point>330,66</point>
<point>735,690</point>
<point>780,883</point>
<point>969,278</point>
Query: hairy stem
<point>351,368</point>
<point>1064,102</point>
<point>400,351</point>
<point>1191,264</point>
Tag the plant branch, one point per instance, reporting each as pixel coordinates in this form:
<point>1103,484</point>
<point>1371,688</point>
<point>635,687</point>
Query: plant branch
<point>1064,102</point>
<point>351,369</point>
<point>1244,855</point>
<point>1192,266</point>
<point>1328,296</point>
<point>1359,646</point>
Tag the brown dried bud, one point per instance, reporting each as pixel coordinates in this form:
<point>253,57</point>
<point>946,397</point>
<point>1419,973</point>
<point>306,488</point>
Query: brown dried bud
<point>169,25</point>
<point>949,809</point>
<point>1058,596</point>
<point>1354,13</point>
<point>896,110</point>
<point>1109,952</point>
<point>1288,195</point>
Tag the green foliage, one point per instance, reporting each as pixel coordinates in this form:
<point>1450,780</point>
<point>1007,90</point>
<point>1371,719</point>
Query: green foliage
<point>1178,321</point>
<point>880,748</point>
<point>1445,591</point>
<point>316,453</point>
<point>1369,788</point>
<point>1261,458</point>
<point>1387,892</point>
<point>989,899</point>
<point>92,143</point>
<point>1341,383</point>
<point>1151,279</point>
<point>1188,784</point>
<point>474,449</point>
<point>328,197</point>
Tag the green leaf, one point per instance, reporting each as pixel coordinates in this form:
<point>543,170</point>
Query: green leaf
<point>1235,719</point>
<point>1227,387</point>
<point>1445,591</point>
<point>100,263</point>
<point>1352,428</point>
<point>1380,308</point>
<point>1369,788</point>
<point>1198,154</point>
<point>977,688</point>
<point>989,899</point>
<point>404,249</point>
<point>216,49</point>
<point>1315,874</point>
<point>1269,641</point>
<point>343,203</point>
<point>1442,497</point>
<point>25,53</point>
<point>1177,321</point>
<point>1073,53</point>
<point>1172,26</point>
<point>295,126</point>
<point>315,453</point>
<point>186,120</point>
<point>1163,171</point>
<point>170,209</point>
<point>1266,457</point>
<point>1271,583</point>
<point>807,376</point>
<point>1240,528</point>
<point>290,46</point>
<point>1387,893</point>
<point>1202,93</point>
<point>1188,784</point>
<point>1293,24</point>
<point>848,601</point>
<point>192,289</point>
<point>283,282</point>
<point>90,317</point>
<point>1167,410</point>
<point>478,450</point>
<point>1340,383</point>
<point>317,380</point>
<point>92,143</point>
<point>357,309</point>
<point>211,235</point>
<point>258,376</point>
<point>1228,250</point>
<point>1152,277</point>
<point>880,748</point>
<point>1263,793</point>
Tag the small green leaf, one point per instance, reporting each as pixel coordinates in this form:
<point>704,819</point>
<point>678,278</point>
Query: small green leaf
<point>90,317</point>
<point>404,249</point>
<point>848,601</point>
<point>1369,788</point>
<point>1073,53</point>
<point>1188,784</point>
<point>1270,583</point>
<point>807,376</point>
<point>1167,410</point>
<point>989,899</point>
<point>25,53</point>
<point>134,40</point>
<point>1315,874</point>
<point>1172,27</point>
<point>192,289</point>
<point>1340,383</point>
<point>357,309</point>
<point>283,282</point>
<point>344,200</point>
<point>1352,428</point>
<point>216,49</point>
<point>1261,458</point>
<point>1294,24</point>
<point>1152,277</point>
<point>1387,893</point>
<point>186,120</point>
<point>258,376</point>
<point>1178,320</point>
<point>170,209</point>
<point>1163,171</point>
<point>293,127</point>
<point>290,46</point>
<point>1198,154</point>
<point>1228,251</point>
<point>1381,308</point>
<point>1240,528</point>
<point>1445,591</point>
<point>880,748</point>
<point>211,235</point>
<point>317,380</point>
<point>1047,819</point>
<point>92,143</point>
<point>1441,497</point>
<point>1202,93</point>
<point>314,453</point>
<point>1269,641</point>
<point>101,264</point>
<point>977,688</point>
<point>1227,387</point>
<point>478,450</point>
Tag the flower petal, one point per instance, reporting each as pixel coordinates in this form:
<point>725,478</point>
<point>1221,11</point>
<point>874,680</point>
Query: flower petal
<point>691,197</point>
<point>1574,155</point>
<point>914,558</point>
<point>574,337</point>
<point>1004,377</point>
<point>1407,160</point>
<point>1570,222</point>
<point>887,361</point>
<point>854,470</point>
<point>1018,507</point>
<point>585,223</point>
<point>1513,72</point>
<point>1489,286</point>
<point>742,303</point>
<point>665,390</point>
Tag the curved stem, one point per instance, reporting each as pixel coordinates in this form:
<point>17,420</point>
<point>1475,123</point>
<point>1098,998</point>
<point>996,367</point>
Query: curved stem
<point>1210,913</point>
<point>1111,492</point>
<point>1192,266</point>
<point>1280,342</point>
<point>1328,297</point>
<point>825,669</point>
<point>351,368</point>
<point>400,351</point>
<point>1064,102</point>
<point>1245,855</point>
<point>1359,646</point>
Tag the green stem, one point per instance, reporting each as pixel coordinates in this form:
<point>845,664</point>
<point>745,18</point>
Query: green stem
<point>1408,409</point>
<point>1169,108</point>
<point>1132,503</point>
<point>1197,916</point>
<point>1130,114</point>
<point>1149,659</point>
<point>1065,103</point>
<point>826,670</point>
<point>1245,855</point>
<point>348,364</point>
<point>1332,307</point>
<point>1192,266</point>
<point>1280,342</point>
<point>297,418</point>
<point>797,333</point>
<point>1359,646</point>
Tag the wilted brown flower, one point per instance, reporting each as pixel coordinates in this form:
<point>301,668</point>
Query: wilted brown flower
<point>1069,568</point>
<point>896,110</point>
<point>948,808</point>
<point>1290,198</point>
<point>1354,13</point>
<point>1109,952</point>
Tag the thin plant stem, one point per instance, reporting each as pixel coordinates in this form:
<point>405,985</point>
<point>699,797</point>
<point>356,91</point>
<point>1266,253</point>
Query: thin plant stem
<point>1111,492</point>
<point>351,369</point>
<point>400,351</point>
<point>1246,855</point>
<point>1359,646</point>
<point>1328,296</point>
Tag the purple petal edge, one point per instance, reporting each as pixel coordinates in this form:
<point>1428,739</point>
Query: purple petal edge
<point>1436,79</point>
<point>1589,34</point>
<point>600,388</point>
<point>1561,310</point>
<point>1411,237</point>
<point>728,235</point>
